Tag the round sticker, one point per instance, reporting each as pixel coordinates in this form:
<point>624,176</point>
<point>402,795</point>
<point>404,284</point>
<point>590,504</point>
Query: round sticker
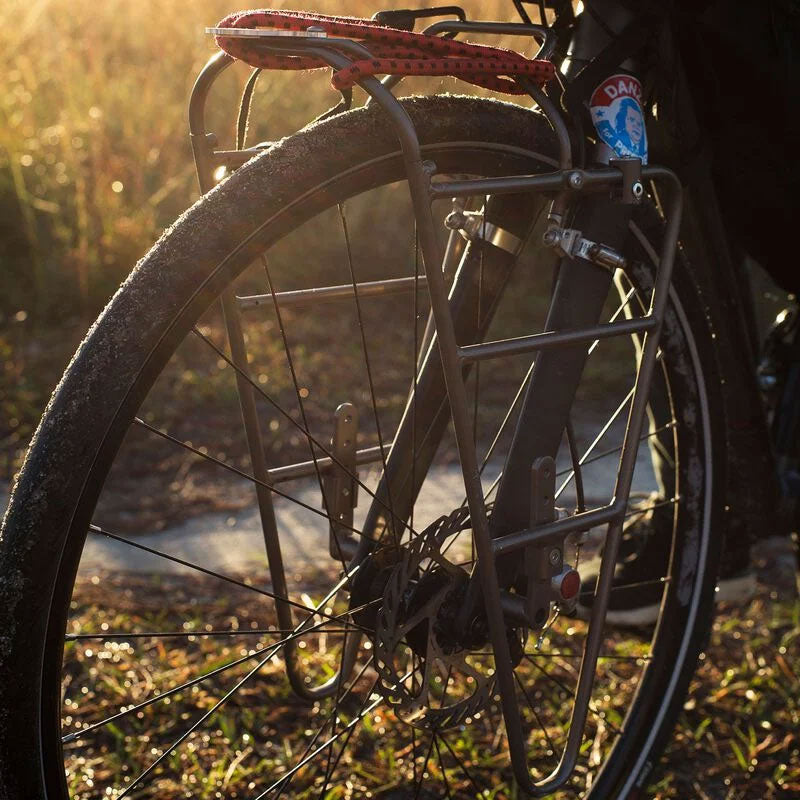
<point>617,116</point>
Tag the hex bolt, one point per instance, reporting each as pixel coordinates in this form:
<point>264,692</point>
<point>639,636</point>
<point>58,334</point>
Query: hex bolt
<point>429,167</point>
<point>555,556</point>
<point>575,180</point>
<point>455,220</point>
<point>551,237</point>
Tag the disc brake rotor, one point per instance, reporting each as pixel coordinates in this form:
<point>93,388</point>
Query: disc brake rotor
<point>426,675</point>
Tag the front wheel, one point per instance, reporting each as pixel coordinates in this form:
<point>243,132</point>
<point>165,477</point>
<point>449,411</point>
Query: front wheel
<point>146,650</point>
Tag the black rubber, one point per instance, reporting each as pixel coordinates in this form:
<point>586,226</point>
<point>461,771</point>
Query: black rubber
<point>43,532</point>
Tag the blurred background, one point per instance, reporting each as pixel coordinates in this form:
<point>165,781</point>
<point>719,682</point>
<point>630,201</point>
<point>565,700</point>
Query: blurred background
<point>95,162</point>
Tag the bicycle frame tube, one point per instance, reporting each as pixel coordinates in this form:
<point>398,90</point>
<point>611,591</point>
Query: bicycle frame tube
<point>572,324</point>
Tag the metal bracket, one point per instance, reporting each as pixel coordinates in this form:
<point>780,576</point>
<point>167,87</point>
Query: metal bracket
<point>632,187</point>
<point>541,563</point>
<point>549,579</point>
<point>339,484</point>
<point>472,225</point>
<point>570,243</point>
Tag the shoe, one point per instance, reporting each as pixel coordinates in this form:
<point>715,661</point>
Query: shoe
<point>638,585</point>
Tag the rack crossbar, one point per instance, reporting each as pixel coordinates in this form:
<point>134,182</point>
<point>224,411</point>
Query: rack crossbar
<point>305,469</point>
<point>549,339</point>
<point>554,532</point>
<point>328,294</point>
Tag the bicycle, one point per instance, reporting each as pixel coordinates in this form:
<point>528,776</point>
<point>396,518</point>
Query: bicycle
<point>438,627</point>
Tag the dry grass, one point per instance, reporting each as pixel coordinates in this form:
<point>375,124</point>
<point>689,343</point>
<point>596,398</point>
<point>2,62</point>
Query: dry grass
<point>736,740</point>
<point>95,161</point>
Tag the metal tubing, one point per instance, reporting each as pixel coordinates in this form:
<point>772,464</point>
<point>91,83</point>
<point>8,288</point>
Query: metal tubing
<point>478,26</point>
<point>305,469</point>
<point>554,532</point>
<point>202,148</point>
<point>548,39</point>
<point>235,158</point>
<point>553,115</point>
<point>327,294</point>
<point>203,143</point>
<point>550,339</point>
<point>605,177</point>
<point>627,463</point>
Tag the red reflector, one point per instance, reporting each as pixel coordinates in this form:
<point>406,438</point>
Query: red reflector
<point>570,585</point>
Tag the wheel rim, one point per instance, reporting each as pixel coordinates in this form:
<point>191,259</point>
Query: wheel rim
<point>453,776</point>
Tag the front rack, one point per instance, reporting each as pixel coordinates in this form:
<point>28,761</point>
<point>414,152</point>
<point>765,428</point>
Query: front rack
<point>563,186</point>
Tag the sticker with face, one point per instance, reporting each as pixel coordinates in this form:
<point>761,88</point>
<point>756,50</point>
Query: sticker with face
<point>617,116</point>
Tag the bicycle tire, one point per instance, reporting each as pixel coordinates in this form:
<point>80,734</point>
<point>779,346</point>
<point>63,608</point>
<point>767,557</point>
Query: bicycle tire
<point>52,503</point>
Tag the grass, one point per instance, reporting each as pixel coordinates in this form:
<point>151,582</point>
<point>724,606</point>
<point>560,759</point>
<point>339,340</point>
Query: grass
<point>737,738</point>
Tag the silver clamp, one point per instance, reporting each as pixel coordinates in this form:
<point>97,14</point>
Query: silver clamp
<point>472,225</point>
<point>570,243</point>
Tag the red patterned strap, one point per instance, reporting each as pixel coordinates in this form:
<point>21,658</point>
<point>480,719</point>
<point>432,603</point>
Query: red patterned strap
<point>395,52</point>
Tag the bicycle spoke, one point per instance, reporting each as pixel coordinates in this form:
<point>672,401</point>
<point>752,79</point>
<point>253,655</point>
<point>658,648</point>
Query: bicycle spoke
<point>441,767</point>
<point>184,736</point>
<point>331,767</point>
<point>418,786</point>
<point>414,753</point>
<point>240,473</point>
<point>462,766</point>
<point>415,369</point>
<point>613,318</point>
<point>363,713</point>
<point>368,366</point>
<point>611,451</point>
<point>635,659</point>
<point>73,637</point>
<point>292,421</point>
<point>273,649</point>
<point>330,718</point>
<point>299,397</point>
<point>101,532</point>
<point>560,684</point>
<point>620,408</point>
<point>539,720</point>
<point>580,500</point>
<point>71,737</point>
<point>634,511</point>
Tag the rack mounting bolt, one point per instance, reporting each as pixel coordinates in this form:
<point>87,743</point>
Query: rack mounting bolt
<point>455,220</point>
<point>575,180</point>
